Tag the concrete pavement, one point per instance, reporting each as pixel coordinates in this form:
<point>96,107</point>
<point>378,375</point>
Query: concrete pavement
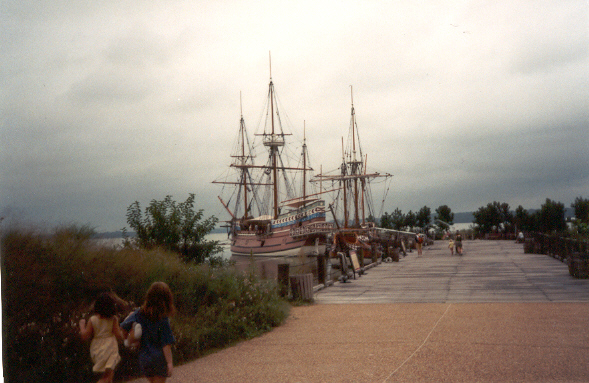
<point>492,315</point>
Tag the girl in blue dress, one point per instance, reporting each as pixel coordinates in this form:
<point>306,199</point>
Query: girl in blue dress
<point>155,352</point>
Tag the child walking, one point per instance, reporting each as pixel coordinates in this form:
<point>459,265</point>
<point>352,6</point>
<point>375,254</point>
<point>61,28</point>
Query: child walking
<point>152,321</point>
<point>458,242</point>
<point>419,244</point>
<point>103,328</point>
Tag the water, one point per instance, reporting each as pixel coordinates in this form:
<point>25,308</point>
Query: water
<point>461,226</point>
<point>223,241</point>
<point>221,237</point>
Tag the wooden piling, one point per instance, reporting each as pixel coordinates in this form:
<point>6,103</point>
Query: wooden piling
<point>302,287</point>
<point>283,278</point>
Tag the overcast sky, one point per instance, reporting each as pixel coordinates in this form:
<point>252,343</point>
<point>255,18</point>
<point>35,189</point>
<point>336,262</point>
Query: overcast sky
<point>103,103</point>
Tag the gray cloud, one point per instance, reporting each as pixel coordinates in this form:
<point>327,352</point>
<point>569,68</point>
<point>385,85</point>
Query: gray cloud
<point>106,103</point>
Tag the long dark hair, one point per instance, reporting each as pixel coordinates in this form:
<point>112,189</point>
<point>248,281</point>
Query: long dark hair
<point>159,302</point>
<point>105,305</point>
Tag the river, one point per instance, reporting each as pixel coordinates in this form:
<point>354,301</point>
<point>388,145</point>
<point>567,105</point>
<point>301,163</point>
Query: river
<point>223,241</point>
<point>221,237</point>
<point>225,244</point>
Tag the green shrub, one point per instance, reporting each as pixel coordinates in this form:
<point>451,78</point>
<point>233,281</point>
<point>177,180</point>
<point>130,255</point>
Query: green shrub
<point>51,280</point>
<point>173,226</point>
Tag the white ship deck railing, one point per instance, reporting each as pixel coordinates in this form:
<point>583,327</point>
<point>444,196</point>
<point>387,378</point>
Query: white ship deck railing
<point>314,228</point>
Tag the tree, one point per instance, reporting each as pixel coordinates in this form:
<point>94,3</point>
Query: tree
<point>174,227</point>
<point>398,219</point>
<point>410,220</point>
<point>523,220</point>
<point>385,221</point>
<point>493,217</point>
<point>444,214</point>
<point>423,217</point>
<point>506,217</point>
<point>486,218</point>
<point>551,217</point>
<point>581,207</point>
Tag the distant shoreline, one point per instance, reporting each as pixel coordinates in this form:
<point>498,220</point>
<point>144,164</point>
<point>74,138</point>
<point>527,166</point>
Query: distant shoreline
<point>466,217</point>
<point>461,218</point>
<point>119,234</point>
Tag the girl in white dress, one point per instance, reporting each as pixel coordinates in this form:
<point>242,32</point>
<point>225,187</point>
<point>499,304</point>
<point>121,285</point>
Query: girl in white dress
<point>103,328</point>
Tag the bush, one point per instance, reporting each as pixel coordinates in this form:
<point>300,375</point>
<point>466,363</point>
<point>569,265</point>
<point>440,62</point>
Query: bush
<point>177,227</point>
<point>50,281</point>
<point>529,246</point>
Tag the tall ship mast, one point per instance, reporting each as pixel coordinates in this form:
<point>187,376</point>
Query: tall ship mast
<point>242,161</point>
<point>356,237</point>
<point>277,218</point>
<point>354,196</point>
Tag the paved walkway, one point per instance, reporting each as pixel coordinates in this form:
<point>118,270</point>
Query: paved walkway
<point>492,315</point>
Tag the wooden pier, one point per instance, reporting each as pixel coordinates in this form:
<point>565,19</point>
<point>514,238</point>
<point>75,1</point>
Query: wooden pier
<point>489,271</point>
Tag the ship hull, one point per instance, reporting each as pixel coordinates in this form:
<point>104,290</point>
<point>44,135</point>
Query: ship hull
<point>299,232</point>
<point>281,242</point>
<point>292,250</point>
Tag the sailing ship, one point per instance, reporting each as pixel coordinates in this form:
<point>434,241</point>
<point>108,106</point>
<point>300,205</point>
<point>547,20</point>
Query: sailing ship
<point>356,234</point>
<point>270,216</point>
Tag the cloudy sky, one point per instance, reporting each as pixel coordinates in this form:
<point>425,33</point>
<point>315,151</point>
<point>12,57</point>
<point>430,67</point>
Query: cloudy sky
<point>103,103</point>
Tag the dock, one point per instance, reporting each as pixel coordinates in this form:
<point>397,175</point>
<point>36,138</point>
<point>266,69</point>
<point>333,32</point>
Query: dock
<point>493,314</point>
<point>489,271</point>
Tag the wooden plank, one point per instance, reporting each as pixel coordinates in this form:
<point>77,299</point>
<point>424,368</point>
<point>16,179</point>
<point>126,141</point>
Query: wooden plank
<point>354,259</point>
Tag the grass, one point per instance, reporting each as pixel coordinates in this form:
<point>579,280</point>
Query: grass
<point>51,279</point>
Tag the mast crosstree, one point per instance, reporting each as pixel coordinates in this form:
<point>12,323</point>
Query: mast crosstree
<point>354,177</point>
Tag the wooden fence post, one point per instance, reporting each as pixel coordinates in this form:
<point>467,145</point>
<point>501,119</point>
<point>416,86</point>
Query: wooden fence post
<point>302,287</point>
<point>321,269</point>
<point>283,278</point>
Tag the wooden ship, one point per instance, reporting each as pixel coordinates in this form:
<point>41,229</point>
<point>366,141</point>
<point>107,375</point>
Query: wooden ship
<point>270,216</point>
